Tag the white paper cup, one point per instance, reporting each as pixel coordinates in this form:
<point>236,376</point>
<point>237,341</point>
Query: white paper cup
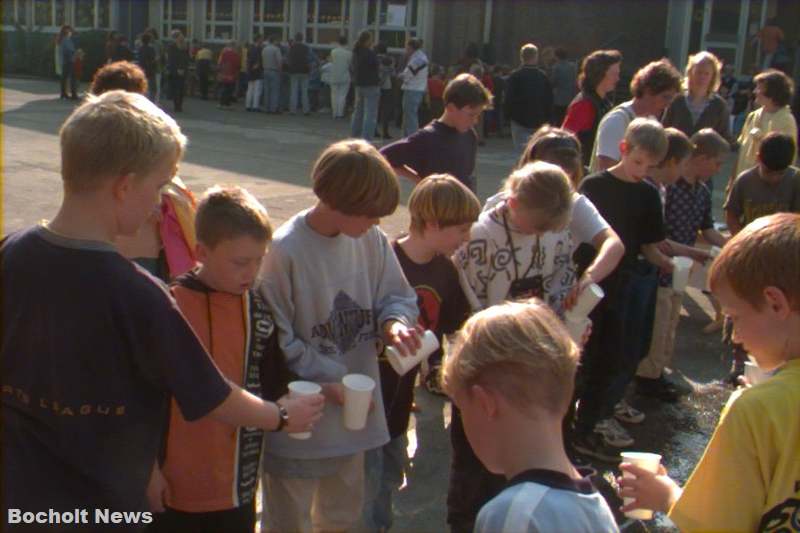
<point>357,399</point>
<point>680,276</point>
<point>754,374</point>
<point>587,300</point>
<point>302,388</point>
<point>648,461</point>
<point>577,327</point>
<point>402,364</point>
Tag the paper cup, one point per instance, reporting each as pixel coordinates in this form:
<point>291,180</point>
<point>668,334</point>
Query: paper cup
<point>680,276</point>
<point>357,399</point>
<point>754,374</point>
<point>577,327</point>
<point>302,388</point>
<point>587,300</point>
<point>648,461</point>
<point>402,364</point>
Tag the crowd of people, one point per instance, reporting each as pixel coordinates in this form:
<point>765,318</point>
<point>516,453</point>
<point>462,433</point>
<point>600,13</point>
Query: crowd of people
<point>121,393</point>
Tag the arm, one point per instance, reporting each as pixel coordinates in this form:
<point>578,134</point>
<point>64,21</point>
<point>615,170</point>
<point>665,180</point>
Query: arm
<point>609,253</point>
<point>472,263</point>
<point>678,249</point>
<point>732,220</point>
<point>408,173</point>
<point>652,253</point>
<point>714,237</point>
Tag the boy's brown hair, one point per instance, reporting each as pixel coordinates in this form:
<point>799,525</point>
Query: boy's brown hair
<point>558,146</point>
<point>766,253</point>
<point>119,75</point>
<point>655,78</point>
<point>352,177</point>
<point>466,90</point>
<point>679,147</point>
<point>443,200</point>
<point>226,213</point>
<point>707,142</point>
<point>543,187</point>
<point>778,87</point>
<point>518,349</point>
<point>116,134</point>
<point>647,134</point>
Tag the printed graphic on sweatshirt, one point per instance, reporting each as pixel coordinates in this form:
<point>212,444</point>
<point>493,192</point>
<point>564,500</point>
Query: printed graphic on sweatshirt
<point>783,517</point>
<point>347,325</point>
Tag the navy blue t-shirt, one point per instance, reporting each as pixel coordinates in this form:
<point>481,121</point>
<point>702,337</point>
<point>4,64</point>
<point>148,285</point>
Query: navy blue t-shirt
<point>436,149</point>
<point>92,348</point>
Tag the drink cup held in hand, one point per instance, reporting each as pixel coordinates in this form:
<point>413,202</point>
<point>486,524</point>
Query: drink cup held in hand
<point>302,388</point>
<point>753,373</point>
<point>587,300</point>
<point>402,364</point>
<point>649,462</point>
<point>357,400</point>
<point>577,327</point>
<point>680,276</point>
<point>698,277</point>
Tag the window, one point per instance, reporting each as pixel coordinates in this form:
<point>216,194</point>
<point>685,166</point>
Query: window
<point>219,20</point>
<point>326,21</point>
<point>394,21</point>
<point>271,17</point>
<point>175,17</point>
<point>48,13</point>
<point>13,13</point>
<point>93,14</point>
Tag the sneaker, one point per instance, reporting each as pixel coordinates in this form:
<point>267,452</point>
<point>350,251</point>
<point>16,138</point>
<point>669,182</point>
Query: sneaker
<point>624,412</point>
<point>660,388</point>
<point>592,444</point>
<point>613,433</point>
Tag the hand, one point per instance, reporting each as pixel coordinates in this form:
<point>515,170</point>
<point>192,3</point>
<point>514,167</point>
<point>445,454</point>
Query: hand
<point>572,297</point>
<point>586,334</point>
<point>303,411</point>
<point>405,339</point>
<point>157,490</point>
<point>657,492</point>
<point>743,383</point>
<point>667,267</point>
<point>701,256</point>
<point>333,392</point>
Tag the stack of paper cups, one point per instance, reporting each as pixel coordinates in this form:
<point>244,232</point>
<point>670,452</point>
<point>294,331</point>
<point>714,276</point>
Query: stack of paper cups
<point>402,364</point>
<point>576,319</point>
<point>302,388</point>
<point>680,275</point>
<point>357,399</point>
<point>647,461</point>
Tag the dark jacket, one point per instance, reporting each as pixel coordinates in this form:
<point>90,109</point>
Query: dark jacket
<point>177,60</point>
<point>365,67</point>
<point>255,71</point>
<point>147,60</point>
<point>297,62</point>
<point>716,115</point>
<point>529,97</point>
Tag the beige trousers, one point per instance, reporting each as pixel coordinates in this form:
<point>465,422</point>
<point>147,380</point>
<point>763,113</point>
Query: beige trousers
<point>668,313</point>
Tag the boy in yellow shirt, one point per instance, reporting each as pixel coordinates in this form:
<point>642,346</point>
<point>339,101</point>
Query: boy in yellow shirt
<point>749,476</point>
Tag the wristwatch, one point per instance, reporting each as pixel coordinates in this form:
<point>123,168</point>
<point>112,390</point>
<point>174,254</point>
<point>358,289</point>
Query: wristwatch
<point>283,417</point>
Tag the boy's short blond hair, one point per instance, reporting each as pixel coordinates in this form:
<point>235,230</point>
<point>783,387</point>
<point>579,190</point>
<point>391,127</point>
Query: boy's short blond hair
<point>352,177</point>
<point>230,212</point>
<point>679,147</point>
<point>648,135</point>
<point>766,253</point>
<point>543,187</point>
<point>707,142</point>
<point>518,349</point>
<point>443,200</point>
<point>115,134</point>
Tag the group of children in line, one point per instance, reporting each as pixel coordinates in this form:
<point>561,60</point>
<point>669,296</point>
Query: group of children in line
<point>119,388</point>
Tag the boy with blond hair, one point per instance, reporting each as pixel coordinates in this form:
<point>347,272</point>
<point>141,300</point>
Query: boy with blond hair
<point>749,477</point>
<point>622,321</point>
<point>442,210</point>
<point>511,374</point>
<point>449,144</point>
<point>91,356</point>
<point>336,291</point>
<point>234,324</point>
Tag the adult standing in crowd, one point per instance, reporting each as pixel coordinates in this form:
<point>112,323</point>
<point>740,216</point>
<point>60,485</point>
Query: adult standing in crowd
<point>149,64</point>
<point>366,71</point>
<point>255,75</point>
<point>528,98</point>
<point>299,67</point>
<point>415,83</point>
<point>177,67</point>
<point>563,77</point>
<point>699,106</point>
<point>386,74</point>
<point>272,62</point>
<point>653,87</point>
<point>66,56</point>
<point>111,45</point>
<point>158,49</point>
<point>598,77</point>
<point>228,64</point>
<point>202,60</point>
<point>340,60</point>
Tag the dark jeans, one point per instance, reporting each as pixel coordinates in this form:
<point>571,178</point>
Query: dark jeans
<point>67,73</point>
<point>226,97</point>
<point>203,72</point>
<point>240,519</point>
<point>176,85</point>
<point>622,327</point>
<point>386,110</point>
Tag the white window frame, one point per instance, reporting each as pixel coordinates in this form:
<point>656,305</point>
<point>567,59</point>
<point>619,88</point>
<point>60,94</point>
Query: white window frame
<point>52,28</point>
<point>343,25</point>
<point>18,16</point>
<point>376,27</point>
<point>259,26</point>
<point>213,23</point>
<point>95,15</point>
<point>168,23</point>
